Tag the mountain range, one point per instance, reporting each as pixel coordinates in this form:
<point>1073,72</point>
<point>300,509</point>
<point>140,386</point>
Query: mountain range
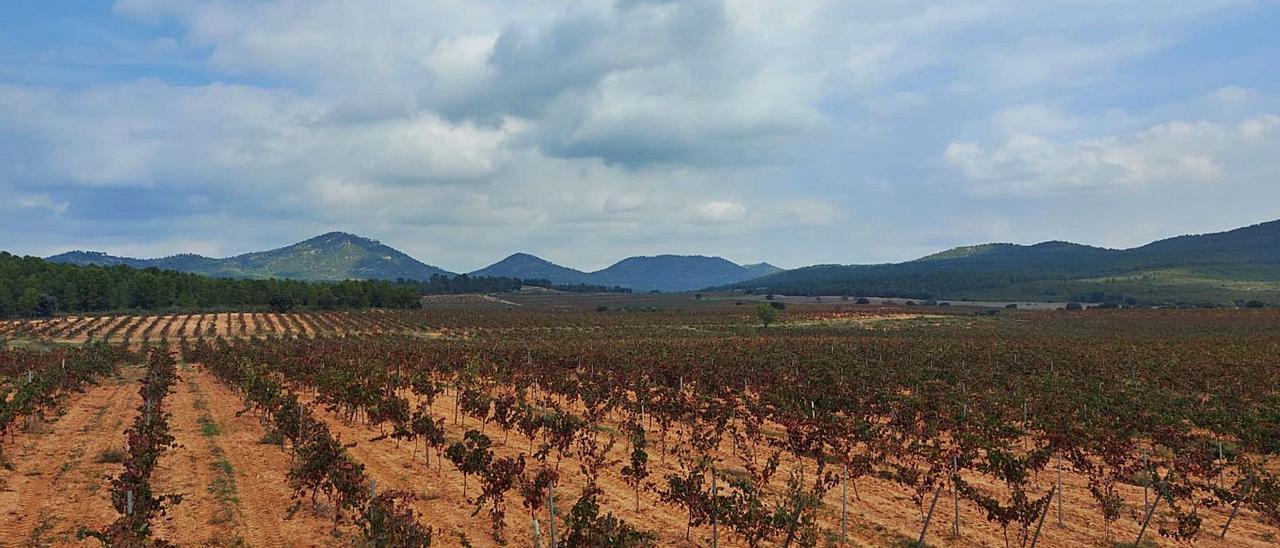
<point>1238,265</point>
<point>328,257</point>
<point>340,256</point>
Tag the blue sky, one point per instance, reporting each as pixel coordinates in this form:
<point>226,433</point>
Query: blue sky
<point>461,131</point>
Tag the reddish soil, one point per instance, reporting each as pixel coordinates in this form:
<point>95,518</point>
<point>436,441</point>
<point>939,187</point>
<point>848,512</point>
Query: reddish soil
<point>883,514</point>
<point>56,483</point>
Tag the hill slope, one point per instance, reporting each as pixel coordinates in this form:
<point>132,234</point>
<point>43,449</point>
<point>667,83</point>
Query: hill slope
<point>672,273</point>
<point>528,267</point>
<point>328,257</point>
<point>1241,264</point>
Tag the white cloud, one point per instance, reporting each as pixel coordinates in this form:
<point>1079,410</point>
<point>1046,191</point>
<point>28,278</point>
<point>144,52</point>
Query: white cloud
<point>1166,154</point>
<point>42,201</point>
<point>720,211</point>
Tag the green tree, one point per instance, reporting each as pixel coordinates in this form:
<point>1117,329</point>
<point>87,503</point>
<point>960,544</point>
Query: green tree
<point>766,314</point>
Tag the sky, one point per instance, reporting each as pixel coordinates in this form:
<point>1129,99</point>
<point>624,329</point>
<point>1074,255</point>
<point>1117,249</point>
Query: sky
<point>799,132</point>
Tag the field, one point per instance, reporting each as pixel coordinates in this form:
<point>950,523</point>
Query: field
<point>654,419</point>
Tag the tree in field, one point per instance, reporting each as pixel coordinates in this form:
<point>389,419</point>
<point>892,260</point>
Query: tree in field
<point>766,314</point>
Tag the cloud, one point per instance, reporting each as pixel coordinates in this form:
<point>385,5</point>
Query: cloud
<point>464,129</point>
<point>41,201</point>
<point>720,211</point>
<point>1174,153</point>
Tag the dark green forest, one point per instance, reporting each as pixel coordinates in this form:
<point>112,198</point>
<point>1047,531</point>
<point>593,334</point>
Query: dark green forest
<point>30,286</point>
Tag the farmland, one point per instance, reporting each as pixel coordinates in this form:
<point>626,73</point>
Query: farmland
<point>660,420</point>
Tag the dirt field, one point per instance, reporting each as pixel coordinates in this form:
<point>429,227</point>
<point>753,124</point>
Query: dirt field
<point>235,490</point>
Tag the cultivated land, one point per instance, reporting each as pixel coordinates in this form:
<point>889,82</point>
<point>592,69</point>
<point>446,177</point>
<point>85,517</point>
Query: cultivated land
<point>900,404</point>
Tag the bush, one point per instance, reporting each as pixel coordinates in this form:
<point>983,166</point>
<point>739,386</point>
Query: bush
<point>1011,306</point>
<point>1075,306</point>
<point>1255,304</point>
<point>862,300</point>
<point>766,314</point>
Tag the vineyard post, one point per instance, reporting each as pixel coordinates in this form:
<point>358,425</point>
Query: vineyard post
<point>1059,488</point>
<point>955,497</point>
<point>551,511</point>
<point>1146,480</point>
<point>537,534</point>
<point>925,528</point>
<point>1244,492</point>
<point>1040,523</point>
<point>715,532</point>
<point>373,493</point>
<point>128,502</point>
<point>1222,463</point>
<point>844,503</point>
<point>1147,520</point>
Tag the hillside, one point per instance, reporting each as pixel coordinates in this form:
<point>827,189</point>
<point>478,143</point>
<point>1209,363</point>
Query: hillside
<point>660,273</point>
<point>671,273</point>
<point>328,257</point>
<point>1227,267</point>
<point>528,267</point>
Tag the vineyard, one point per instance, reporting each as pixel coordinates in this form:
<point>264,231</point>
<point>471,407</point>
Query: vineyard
<point>688,427</point>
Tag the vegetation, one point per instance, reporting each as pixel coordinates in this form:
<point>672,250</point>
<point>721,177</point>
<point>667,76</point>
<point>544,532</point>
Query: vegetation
<point>983,402</point>
<point>1230,268</point>
<point>36,288</point>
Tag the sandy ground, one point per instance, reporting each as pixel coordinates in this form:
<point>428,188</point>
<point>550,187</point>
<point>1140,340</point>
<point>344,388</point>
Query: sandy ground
<point>883,514</point>
<point>56,484</point>
<point>256,510</point>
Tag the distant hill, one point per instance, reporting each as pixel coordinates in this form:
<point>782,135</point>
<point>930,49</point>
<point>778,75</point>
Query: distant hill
<point>328,257</point>
<point>660,273</point>
<point>528,267</point>
<point>761,269</point>
<point>1242,264</point>
<point>672,273</point>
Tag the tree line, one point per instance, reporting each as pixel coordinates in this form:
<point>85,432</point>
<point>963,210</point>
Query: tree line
<point>33,287</point>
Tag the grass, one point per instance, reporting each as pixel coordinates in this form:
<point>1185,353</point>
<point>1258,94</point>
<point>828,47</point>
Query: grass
<point>223,487</point>
<point>112,455</point>
<point>208,427</point>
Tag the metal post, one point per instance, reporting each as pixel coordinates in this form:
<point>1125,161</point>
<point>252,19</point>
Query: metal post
<point>844,504</point>
<point>1235,508</point>
<point>955,496</point>
<point>1040,523</point>
<point>715,532</point>
<point>1059,488</point>
<point>925,528</point>
<point>551,512</point>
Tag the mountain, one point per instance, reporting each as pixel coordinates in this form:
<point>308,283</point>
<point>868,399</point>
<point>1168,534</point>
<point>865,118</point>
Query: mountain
<point>328,257</point>
<point>1242,264</point>
<point>528,267</point>
<point>761,269</point>
<point>86,258</point>
<point>660,273</point>
<point>672,273</point>
<point>341,256</point>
